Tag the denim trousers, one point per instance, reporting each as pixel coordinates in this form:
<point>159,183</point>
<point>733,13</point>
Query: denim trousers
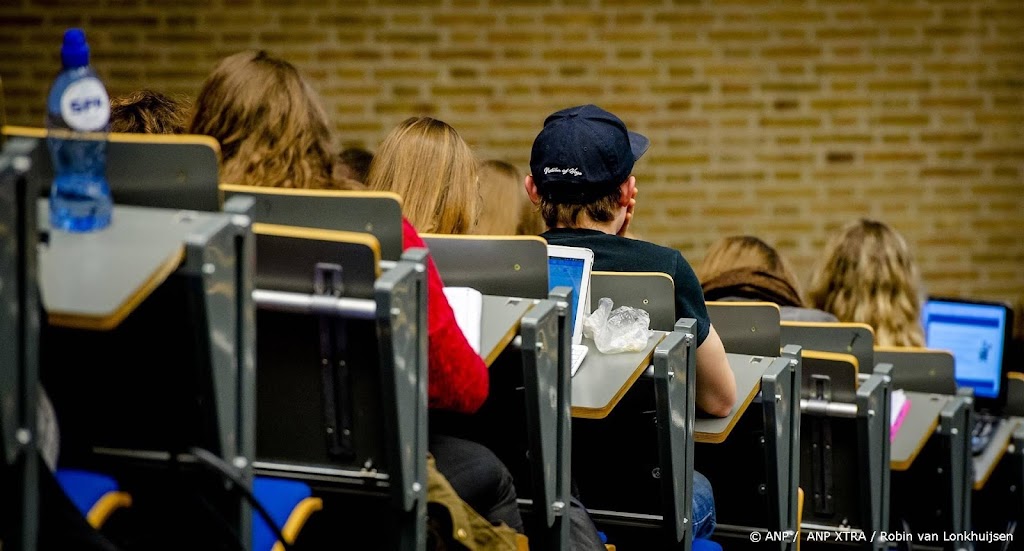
<point>703,507</point>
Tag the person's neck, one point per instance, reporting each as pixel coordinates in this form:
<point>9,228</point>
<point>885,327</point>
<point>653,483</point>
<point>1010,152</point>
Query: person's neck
<point>611,228</point>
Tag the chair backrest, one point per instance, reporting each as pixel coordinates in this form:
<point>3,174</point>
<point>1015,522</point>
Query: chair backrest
<point>1015,394</point>
<point>373,212</point>
<point>150,170</point>
<point>857,339</point>
<point>747,327</point>
<point>509,266</point>
<point>650,291</point>
<point>840,369</point>
<point>341,354</point>
<point>919,369</point>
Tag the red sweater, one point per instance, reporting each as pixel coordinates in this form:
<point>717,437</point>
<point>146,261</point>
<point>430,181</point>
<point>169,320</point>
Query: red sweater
<point>457,378</point>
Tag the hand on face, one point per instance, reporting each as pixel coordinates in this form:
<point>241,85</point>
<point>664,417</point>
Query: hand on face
<point>629,213</point>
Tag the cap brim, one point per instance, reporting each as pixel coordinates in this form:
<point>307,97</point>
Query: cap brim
<point>639,144</point>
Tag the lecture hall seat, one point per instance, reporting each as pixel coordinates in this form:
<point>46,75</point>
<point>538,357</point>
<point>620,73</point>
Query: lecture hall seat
<point>289,503</point>
<point>95,495</point>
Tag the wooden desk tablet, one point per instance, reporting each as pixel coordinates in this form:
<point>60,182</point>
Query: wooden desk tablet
<point>603,379</point>
<point>748,371</point>
<point>985,463</point>
<point>94,280</point>
<point>499,324</point>
<point>918,426</point>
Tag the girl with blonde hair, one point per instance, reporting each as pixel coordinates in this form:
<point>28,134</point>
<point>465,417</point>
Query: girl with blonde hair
<point>270,125</point>
<point>869,276</point>
<point>426,162</point>
<point>507,209</point>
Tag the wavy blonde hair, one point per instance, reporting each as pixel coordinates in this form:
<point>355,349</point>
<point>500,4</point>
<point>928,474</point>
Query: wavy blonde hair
<point>270,125</point>
<point>426,162</point>
<point>869,276</point>
<point>745,251</point>
<point>507,209</point>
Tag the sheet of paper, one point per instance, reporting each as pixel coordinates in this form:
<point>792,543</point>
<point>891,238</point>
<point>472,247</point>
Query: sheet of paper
<point>468,305</point>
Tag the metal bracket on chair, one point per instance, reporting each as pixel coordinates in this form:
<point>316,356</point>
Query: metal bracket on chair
<point>336,388</point>
<point>820,433</point>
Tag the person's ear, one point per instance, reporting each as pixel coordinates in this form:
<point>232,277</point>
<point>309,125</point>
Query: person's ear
<point>627,191</point>
<point>531,189</point>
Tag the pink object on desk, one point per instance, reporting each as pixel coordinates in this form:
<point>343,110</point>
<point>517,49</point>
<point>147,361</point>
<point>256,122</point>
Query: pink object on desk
<point>895,425</point>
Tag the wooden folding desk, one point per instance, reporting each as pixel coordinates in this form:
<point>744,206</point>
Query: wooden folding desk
<point>500,324</point>
<point>918,426</point>
<point>94,280</point>
<point>748,371</point>
<point>604,379</point>
<point>986,462</point>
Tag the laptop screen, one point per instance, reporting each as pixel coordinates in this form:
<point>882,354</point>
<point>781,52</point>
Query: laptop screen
<point>976,335</point>
<point>567,272</point>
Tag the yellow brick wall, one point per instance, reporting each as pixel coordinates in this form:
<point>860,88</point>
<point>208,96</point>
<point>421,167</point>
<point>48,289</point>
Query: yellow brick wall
<point>784,119</point>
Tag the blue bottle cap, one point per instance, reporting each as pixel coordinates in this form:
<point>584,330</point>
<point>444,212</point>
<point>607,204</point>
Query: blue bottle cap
<point>75,52</point>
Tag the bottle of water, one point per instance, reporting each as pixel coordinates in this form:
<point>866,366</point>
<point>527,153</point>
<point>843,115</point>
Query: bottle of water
<point>78,115</point>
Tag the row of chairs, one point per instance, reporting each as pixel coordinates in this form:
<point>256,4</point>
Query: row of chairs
<point>313,321</point>
<point>833,395</point>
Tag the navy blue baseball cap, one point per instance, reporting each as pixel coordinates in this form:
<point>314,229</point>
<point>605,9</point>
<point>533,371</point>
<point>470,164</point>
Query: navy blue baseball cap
<point>583,153</point>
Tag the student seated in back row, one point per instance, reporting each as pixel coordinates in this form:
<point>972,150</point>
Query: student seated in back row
<point>868,275</point>
<point>743,267</point>
<point>582,164</point>
<point>274,133</point>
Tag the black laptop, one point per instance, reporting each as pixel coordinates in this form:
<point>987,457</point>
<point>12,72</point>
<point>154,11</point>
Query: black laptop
<point>978,334</point>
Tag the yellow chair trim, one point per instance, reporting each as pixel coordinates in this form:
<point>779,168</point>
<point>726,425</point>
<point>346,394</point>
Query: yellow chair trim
<point>296,520</point>
<point>799,514</point>
<point>105,506</point>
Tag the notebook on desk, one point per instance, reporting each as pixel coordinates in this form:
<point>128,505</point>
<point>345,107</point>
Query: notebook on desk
<point>977,333</point>
<point>571,267</point>
<point>468,305</point>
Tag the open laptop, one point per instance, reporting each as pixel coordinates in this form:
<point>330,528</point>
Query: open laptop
<point>571,267</point>
<point>978,334</point>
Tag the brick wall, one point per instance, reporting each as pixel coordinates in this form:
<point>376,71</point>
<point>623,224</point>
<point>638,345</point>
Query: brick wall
<point>782,119</point>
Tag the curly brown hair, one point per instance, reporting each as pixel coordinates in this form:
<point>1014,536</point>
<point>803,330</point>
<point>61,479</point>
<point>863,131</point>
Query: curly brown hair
<point>272,129</point>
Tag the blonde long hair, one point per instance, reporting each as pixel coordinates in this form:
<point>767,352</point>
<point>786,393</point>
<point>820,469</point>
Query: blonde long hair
<point>270,125</point>
<point>426,162</point>
<point>869,276</point>
<point>507,209</point>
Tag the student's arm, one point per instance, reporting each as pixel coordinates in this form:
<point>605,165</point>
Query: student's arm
<point>457,378</point>
<point>716,384</point>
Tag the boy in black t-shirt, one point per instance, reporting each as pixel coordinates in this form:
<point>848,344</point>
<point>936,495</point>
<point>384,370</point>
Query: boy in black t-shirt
<point>582,163</point>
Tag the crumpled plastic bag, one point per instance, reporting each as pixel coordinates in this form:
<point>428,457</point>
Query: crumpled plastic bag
<point>625,329</point>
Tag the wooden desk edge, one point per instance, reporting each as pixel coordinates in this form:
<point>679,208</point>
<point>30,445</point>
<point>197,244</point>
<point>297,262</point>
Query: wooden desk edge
<point>718,438</point>
<point>980,482</point>
<point>905,464</point>
<point>113,319</point>
<point>505,339</point>
<point>601,413</point>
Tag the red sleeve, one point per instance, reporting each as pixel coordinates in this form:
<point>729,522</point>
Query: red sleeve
<point>458,378</point>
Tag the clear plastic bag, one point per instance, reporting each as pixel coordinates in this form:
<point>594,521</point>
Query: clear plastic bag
<point>625,329</point>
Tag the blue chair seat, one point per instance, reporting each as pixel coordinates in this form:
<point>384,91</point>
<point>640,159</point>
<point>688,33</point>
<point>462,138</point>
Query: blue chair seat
<point>289,504</point>
<point>705,545</point>
<point>85,488</point>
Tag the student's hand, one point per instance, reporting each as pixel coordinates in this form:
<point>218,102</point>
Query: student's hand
<point>629,214</point>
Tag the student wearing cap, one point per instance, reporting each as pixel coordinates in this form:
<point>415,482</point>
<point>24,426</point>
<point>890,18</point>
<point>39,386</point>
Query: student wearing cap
<point>582,165</point>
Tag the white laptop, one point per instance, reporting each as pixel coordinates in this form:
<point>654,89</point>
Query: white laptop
<point>571,267</point>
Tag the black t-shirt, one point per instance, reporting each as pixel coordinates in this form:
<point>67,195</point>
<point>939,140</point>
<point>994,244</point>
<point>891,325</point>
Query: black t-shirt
<point>621,254</point>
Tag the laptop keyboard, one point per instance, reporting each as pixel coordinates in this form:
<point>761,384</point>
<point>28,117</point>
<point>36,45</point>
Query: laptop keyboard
<point>579,351</point>
<point>985,427</point>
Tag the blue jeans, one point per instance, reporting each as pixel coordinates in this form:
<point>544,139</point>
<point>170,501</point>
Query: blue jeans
<point>703,507</point>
